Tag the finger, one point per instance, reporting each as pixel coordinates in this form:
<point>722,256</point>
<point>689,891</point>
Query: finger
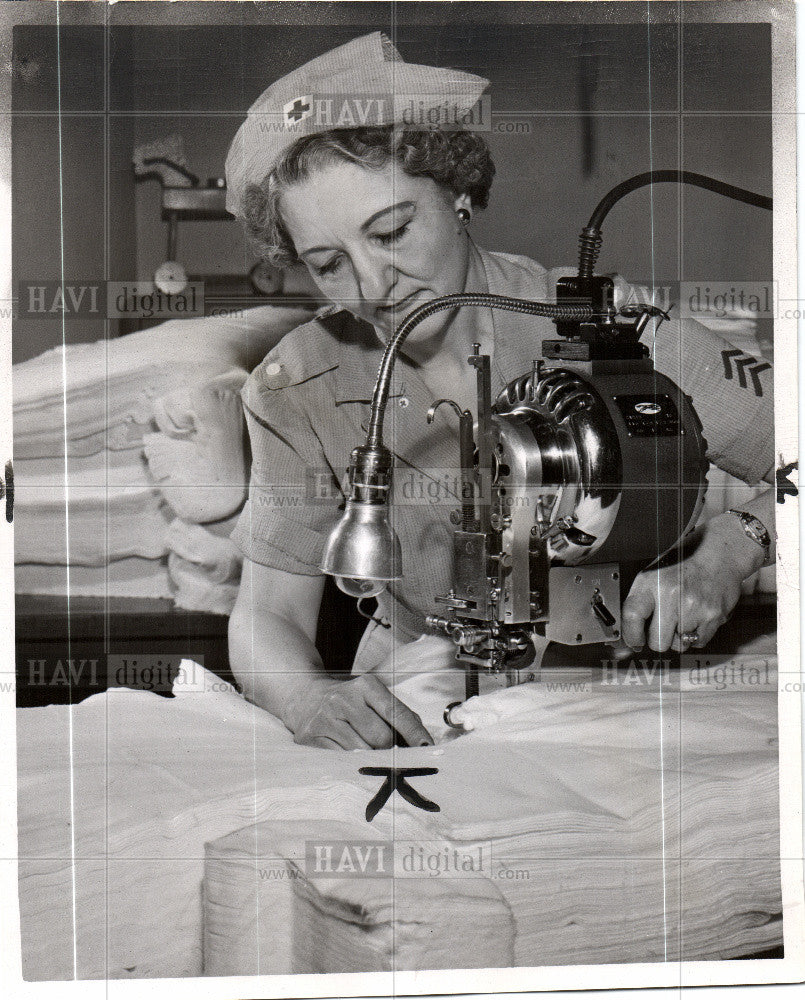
<point>686,628</point>
<point>637,610</point>
<point>663,626</point>
<point>349,737</point>
<point>397,715</point>
<point>320,742</point>
<point>678,646</point>
<point>370,728</point>
<point>619,650</point>
<point>698,619</point>
<point>705,633</point>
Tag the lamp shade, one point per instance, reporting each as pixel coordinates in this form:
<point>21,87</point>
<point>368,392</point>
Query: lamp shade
<point>363,545</point>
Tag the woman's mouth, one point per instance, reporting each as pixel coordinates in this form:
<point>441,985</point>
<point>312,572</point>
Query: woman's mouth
<point>401,305</point>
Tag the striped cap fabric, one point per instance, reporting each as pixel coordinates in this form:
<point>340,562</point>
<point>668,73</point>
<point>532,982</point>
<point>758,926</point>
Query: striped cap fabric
<point>360,84</point>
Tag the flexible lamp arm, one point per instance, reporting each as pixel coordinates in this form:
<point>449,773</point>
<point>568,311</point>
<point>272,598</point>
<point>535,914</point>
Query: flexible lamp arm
<point>374,437</point>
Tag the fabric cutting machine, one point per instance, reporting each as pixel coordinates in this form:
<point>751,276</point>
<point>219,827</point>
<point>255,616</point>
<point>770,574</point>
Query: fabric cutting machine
<point>585,469</point>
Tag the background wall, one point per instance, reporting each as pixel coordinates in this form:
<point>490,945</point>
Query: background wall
<point>696,96</point>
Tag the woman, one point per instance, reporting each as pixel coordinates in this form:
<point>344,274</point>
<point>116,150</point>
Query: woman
<point>380,214</point>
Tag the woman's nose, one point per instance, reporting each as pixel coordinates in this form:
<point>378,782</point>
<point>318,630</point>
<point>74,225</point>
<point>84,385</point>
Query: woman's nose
<point>375,279</point>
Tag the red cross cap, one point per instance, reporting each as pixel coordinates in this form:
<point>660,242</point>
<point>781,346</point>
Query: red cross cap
<point>362,83</point>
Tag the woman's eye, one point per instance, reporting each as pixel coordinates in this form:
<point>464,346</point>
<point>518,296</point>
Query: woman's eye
<point>388,238</point>
<point>330,267</point>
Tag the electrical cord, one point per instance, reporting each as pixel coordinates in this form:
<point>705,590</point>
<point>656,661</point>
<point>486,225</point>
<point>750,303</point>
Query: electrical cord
<point>590,238</point>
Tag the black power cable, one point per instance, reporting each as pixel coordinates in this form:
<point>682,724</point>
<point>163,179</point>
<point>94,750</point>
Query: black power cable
<point>590,238</point>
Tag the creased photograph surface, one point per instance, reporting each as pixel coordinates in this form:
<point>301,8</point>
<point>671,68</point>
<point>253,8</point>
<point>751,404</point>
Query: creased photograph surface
<point>401,497</point>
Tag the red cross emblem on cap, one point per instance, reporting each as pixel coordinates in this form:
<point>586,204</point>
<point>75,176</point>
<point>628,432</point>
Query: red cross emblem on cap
<point>297,110</point>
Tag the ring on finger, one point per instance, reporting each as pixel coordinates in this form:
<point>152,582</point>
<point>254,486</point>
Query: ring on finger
<point>690,637</point>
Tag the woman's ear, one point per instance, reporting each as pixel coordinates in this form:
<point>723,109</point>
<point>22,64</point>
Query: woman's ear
<point>463,203</point>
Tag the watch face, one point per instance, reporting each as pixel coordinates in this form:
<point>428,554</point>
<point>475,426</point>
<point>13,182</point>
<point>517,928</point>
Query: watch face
<point>753,527</point>
<point>265,279</point>
<point>758,528</point>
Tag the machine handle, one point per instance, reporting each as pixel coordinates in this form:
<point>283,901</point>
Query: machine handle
<point>602,612</point>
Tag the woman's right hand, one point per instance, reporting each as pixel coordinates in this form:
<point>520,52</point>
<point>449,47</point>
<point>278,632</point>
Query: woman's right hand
<point>356,714</point>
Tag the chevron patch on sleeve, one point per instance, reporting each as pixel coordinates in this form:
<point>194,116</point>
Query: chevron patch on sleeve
<point>738,365</point>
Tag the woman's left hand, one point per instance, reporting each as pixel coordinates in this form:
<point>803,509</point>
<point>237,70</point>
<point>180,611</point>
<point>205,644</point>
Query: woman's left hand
<point>683,605</point>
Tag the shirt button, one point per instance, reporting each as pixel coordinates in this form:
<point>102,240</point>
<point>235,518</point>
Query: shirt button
<point>276,376</point>
<point>403,401</point>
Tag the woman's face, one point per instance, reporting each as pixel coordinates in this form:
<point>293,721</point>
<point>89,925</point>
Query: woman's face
<point>379,242</point>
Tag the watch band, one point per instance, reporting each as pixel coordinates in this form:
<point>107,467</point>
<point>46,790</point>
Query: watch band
<point>754,529</point>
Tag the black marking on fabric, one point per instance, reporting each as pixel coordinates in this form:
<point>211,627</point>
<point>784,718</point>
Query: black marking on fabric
<point>395,781</point>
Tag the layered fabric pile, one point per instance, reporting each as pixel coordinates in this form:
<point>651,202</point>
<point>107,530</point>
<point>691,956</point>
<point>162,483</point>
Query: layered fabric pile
<point>616,823</point>
<point>137,444</point>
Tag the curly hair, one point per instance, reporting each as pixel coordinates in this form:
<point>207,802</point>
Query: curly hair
<point>457,160</point>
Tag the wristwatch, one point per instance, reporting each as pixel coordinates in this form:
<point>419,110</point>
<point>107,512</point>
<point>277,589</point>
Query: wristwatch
<point>755,529</point>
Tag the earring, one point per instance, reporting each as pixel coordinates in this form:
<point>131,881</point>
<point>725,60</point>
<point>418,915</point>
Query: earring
<point>464,214</point>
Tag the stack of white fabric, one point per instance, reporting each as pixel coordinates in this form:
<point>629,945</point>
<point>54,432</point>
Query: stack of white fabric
<point>644,817</point>
<point>139,443</point>
<point>618,824</point>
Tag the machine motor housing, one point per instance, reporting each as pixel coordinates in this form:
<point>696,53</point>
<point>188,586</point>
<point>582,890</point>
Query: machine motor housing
<point>597,470</point>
